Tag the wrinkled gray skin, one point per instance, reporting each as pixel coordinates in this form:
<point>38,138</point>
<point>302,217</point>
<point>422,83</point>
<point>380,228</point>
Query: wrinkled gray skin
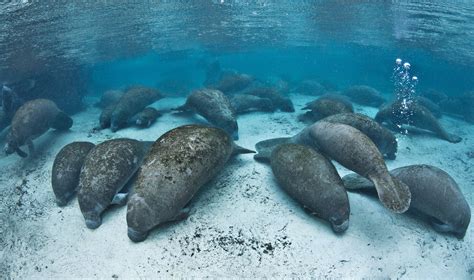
<point>312,180</point>
<point>66,169</point>
<point>364,95</point>
<point>243,103</point>
<point>232,83</point>
<point>109,97</point>
<point>278,100</point>
<point>215,107</point>
<point>382,137</point>
<point>32,120</point>
<point>325,106</point>
<point>146,117</point>
<point>430,105</point>
<point>435,195</point>
<point>420,117</point>
<point>106,170</point>
<point>352,149</point>
<point>131,103</point>
<point>179,163</point>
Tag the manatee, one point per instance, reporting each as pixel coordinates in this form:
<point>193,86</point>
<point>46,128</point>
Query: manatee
<point>352,149</point>
<point>435,96</point>
<point>146,117</point>
<point>460,106</point>
<point>364,95</point>
<point>232,83</point>
<point>106,117</point>
<point>279,101</point>
<point>109,97</point>
<point>132,102</point>
<point>243,103</point>
<point>430,105</point>
<point>106,170</point>
<point>382,137</point>
<point>179,163</point>
<point>31,120</point>
<point>215,107</point>
<point>310,87</point>
<point>415,115</point>
<point>326,105</point>
<point>312,180</point>
<point>66,169</point>
<point>434,194</point>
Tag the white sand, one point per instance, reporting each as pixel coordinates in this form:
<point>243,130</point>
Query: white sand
<point>243,224</point>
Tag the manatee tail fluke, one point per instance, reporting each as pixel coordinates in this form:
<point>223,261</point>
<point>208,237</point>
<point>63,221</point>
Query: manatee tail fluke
<point>61,122</point>
<point>453,138</point>
<point>393,193</point>
<point>241,150</point>
<point>265,148</point>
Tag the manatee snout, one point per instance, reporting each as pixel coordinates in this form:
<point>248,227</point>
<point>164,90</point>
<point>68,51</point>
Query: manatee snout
<point>9,149</point>
<point>231,127</point>
<point>339,225</point>
<point>140,218</point>
<point>93,219</point>
<point>287,106</point>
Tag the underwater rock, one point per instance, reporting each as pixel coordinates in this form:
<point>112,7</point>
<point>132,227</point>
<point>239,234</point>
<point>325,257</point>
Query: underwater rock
<point>352,149</point>
<point>32,120</point>
<point>419,117</point>
<point>179,163</point>
<point>383,138</point>
<point>243,103</point>
<point>146,117</point>
<point>435,195</point>
<point>278,100</point>
<point>310,87</point>
<point>66,169</point>
<point>132,102</point>
<point>215,107</point>
<point>232,83</point>
<point>107,169</point>
<point>312,180</point>
<point>109,97</point>
<point>364,95</point>
<point>326,105</point>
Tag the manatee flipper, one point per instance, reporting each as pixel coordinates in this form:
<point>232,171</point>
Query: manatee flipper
<point>265,148</point>
<point>241,150</point>
<point>120,199</point>
<point>355,182</point>
<point>440,226</point>
<point>397,198</point>
<point>61,122</point>
<point>31,147</point>
<point>182,215</point>
<point>20,152</point>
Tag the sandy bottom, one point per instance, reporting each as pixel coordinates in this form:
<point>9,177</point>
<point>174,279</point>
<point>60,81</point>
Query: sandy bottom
<point>243,224</point>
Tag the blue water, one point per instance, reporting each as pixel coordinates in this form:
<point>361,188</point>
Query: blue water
<point>73,51</point>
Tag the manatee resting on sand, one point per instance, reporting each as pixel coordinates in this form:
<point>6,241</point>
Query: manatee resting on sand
<point>131,103</point>
<point>434,194</point>
<point>31,120</point>
<point>215,107</point>
<point>326,105</point>
<point>364,95</point>
<point>146,117</point>
<point>178,164</point>
<point>395,114</point>
<point>66,169</point>
<point>382,137</point>
<point>243,103</point>
<point>106,170</point>
<point>109,97</point>
<point>352,149</point>
<point>312,180</point>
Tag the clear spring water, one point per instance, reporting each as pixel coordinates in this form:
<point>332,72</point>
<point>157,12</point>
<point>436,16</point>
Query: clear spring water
<point>73,51</point>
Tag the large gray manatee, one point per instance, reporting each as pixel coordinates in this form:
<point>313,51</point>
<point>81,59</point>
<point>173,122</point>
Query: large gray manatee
<point>106,170</point>
<point>178,164</point>
<point>355,151</point>
<point>312,180</point>
<point>435,195</point>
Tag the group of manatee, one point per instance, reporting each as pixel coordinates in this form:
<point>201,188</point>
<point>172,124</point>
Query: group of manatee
<point>157,179</point>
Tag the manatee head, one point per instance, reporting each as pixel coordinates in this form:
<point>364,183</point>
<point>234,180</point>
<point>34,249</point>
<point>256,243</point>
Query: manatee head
<point>340,219</point>
<point>230,126</point>
<point>390,148</point>
<point>287,105</point>
<point>11,146</point>
<point>140,218</point>
<point>118,120</point>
